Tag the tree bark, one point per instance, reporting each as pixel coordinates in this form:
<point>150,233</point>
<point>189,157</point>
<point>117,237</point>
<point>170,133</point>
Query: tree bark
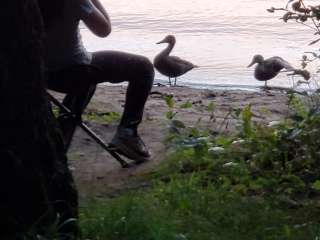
<point>36,186</point>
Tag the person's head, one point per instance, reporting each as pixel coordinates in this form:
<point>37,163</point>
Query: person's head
<point>50,11</point>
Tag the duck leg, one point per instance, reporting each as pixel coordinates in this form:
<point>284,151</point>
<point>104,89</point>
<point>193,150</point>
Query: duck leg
<point>169,81</point>
<point>175,81</point>
<point>292,81</point>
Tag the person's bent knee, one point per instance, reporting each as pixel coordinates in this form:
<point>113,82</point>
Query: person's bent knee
<point>146,70</point>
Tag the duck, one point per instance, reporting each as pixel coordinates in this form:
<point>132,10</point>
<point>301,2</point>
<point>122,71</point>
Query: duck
<point>269,68</point>
<point>171,66</point>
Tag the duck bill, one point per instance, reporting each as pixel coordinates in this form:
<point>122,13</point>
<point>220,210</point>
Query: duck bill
<point>162,41</point>
<point>251,64</point>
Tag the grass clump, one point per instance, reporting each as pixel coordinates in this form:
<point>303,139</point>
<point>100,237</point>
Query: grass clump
<point>102,117</point>
<point>185,209</point>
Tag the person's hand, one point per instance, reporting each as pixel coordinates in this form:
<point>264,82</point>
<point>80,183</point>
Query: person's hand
<point>97,20</point>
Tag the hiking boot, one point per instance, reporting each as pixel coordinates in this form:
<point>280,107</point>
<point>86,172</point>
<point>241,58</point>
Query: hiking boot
<point>128,143</point>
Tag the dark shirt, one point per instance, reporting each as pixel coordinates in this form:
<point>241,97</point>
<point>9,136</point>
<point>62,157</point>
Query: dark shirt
<point>63,44</point>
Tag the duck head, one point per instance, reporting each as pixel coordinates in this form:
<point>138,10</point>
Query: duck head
<point>168,39</point>
<point>256,59</point>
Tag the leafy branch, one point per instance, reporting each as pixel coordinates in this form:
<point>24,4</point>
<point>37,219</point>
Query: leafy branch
<point>301,13</point>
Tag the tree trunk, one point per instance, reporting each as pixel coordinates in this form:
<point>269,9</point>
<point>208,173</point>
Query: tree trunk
<point>36,186</point>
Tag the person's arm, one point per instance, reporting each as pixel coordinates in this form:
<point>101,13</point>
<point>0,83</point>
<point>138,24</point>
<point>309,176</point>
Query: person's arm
<point>100,7</point>
<point>97,20</point>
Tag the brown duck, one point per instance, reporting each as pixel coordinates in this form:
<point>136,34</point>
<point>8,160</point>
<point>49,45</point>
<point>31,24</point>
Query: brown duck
<point>271,67</point>
<point>171,66</point>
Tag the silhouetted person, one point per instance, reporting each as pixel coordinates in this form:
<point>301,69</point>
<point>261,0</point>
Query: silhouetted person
<point>65,54</point>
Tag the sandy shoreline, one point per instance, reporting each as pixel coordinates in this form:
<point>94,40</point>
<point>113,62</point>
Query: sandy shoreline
<point>97,173</point>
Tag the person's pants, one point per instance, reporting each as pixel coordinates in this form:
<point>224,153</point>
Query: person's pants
<point>107,66</point>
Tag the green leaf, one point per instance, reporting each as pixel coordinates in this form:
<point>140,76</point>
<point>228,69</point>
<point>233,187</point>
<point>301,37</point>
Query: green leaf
<point>300,109</point>
<point>187,104</point>
<point>194,132</point>
<point>236,112</point>
<point>246,113</point>
<point>178,124</point>
<point>246,118</point>
<point>211,107</point>
<point>316,185</point>
<point>170,115</point>
<point>287,231</point>
<point>169,101</point>
<point>240,188</point>
<point>223,141</point>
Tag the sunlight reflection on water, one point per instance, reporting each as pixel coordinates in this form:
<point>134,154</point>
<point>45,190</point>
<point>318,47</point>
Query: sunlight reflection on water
<point>220,36</point>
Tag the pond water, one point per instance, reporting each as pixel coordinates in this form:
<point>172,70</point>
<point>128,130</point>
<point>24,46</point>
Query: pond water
<point>219,36</point>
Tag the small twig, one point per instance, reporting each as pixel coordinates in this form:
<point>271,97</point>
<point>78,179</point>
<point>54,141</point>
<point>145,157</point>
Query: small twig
<point>313,28</point>
<point>225,120</point>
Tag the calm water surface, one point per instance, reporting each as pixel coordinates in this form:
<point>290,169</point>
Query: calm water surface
<point>220,36</point>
